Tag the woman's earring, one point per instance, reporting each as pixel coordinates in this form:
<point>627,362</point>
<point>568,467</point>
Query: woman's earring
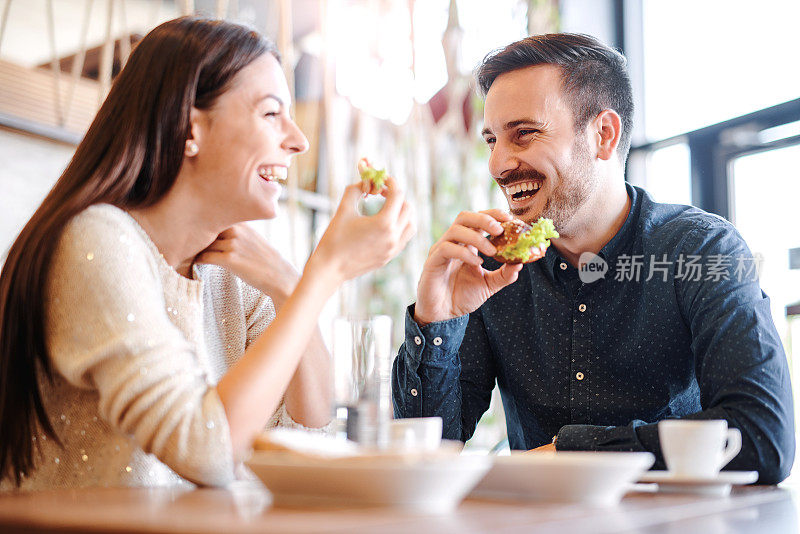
<point>191,148</point>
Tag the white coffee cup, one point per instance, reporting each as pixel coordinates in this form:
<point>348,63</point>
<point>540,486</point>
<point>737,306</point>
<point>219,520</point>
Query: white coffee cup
<point>416,433</point>
<point>698,448</point>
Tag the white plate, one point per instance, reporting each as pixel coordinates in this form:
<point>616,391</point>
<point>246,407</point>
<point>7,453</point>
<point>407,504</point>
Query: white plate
<point>593,478</point>
<point>719,484</point>
<point>428,483</point>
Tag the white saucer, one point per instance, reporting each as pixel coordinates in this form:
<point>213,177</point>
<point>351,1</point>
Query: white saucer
<point>719,484</point>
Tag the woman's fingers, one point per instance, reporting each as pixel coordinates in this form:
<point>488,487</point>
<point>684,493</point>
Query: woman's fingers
<point>218,247</point>
<point>350,196</point>
<point>395,199</point>
<point>407,222</point>
<point>408,232</point>
<point>211,256</point>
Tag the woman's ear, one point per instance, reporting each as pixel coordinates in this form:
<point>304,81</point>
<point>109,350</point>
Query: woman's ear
<point>195,138</point>
<point>608,129</point>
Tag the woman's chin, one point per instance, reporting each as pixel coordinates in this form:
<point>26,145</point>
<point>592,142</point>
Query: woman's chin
<point>263,209</point>
<point>270,210</point>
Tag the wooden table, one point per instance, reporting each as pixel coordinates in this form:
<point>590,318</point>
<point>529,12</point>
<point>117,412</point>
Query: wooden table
<point>246,507</point>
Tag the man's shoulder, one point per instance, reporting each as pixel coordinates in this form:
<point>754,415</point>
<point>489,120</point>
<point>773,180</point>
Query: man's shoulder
<point>666,223</point>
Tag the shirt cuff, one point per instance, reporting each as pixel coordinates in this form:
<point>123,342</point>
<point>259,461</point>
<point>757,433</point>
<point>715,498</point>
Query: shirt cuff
<point>442,339</point>
<point>597,438</point>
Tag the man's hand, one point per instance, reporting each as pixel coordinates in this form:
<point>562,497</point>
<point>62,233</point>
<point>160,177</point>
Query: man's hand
<point>453,282</point>
<point>550,447</point>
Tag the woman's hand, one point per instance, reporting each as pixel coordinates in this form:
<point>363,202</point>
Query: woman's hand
<point>355,244</point>
<point>246,253</point>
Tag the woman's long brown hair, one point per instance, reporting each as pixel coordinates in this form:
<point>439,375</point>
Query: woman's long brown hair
<point>129,158</point>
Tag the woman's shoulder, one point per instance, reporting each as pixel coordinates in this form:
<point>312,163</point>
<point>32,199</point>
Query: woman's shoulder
<point>101,218</point>
<point>105,225</point>
<point>103,234</point>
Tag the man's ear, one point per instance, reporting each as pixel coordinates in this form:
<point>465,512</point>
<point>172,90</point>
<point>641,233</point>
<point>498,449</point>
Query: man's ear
<point>607,130</point>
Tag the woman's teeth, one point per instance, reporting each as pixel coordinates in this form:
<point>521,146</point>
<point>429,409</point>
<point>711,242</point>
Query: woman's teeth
<point>273,173</point>
<point>522,190</point>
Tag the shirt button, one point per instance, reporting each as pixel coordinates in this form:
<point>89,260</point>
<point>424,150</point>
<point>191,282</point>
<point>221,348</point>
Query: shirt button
<point>437,341</point>
<point>563,266</point>
<point>582,308</point>
<point>417,340</point>
<point>413,392</point>
<point>579,375</point>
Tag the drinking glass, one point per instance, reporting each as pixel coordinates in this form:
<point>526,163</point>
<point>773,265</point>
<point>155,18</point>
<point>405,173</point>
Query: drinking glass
<point>362,373</point>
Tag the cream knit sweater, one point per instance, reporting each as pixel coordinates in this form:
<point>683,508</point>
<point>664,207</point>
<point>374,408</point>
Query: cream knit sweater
<point>137,350</point>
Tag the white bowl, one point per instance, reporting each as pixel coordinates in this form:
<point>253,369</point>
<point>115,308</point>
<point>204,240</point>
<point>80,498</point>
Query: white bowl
<point>432,483</point>
<point>592,478</point>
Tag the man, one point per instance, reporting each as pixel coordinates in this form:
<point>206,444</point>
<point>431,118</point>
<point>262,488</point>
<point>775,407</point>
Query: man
<point>590,359</point>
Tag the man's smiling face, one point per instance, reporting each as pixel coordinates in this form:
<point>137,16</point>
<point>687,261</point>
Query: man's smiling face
<point>544,168</point>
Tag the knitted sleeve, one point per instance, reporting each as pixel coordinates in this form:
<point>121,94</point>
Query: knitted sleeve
<point>108,330</point>
<point>260,313</point>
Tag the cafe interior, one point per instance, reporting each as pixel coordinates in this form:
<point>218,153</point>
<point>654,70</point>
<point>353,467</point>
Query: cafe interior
<point>716,90</point>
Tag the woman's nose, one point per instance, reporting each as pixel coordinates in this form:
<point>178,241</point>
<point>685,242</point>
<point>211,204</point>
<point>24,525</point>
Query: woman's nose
<point>295,142</point>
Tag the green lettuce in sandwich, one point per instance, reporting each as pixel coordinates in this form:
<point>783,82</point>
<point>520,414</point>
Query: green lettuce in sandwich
<point>370,175</point>
<point>523,243</point>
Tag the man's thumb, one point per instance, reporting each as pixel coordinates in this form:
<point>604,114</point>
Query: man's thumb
<point>506,275</point>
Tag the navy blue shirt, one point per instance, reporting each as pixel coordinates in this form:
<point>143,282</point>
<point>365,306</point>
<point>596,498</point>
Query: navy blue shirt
<point>677,327</point>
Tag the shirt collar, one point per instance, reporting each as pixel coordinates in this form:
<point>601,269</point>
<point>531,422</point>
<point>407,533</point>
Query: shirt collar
<point>611,250</point>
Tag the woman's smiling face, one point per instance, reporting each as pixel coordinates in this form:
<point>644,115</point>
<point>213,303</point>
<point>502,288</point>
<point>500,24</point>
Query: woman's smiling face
<point>246,141</point>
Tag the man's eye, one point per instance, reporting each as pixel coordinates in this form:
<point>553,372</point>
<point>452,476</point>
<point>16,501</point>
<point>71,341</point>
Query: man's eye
<point>522,133</point>
<point>489,140</point>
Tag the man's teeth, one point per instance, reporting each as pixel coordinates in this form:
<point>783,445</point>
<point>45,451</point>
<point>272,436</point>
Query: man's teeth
<point>522,186</point>
<point>269,172</point>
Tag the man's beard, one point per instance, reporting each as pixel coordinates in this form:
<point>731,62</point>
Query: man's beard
<point>576,185</point>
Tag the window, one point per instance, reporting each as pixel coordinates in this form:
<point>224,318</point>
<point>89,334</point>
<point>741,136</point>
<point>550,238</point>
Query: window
<point>668,174</point>
<point>765,201</point>
<point>705,62</point>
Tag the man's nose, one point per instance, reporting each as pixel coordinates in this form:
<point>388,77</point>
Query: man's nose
<point>501,160</point>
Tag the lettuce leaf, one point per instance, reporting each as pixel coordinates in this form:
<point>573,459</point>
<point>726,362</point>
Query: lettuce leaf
<point>371,174</point>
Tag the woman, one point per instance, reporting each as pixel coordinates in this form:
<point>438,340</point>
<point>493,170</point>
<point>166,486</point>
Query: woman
<point>130,354</point>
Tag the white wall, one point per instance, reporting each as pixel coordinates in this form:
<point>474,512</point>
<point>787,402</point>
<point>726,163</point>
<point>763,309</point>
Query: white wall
<point>29,167</point>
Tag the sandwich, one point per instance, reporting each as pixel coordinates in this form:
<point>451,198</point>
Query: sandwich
<point>523,243</point>
<point>372,177</point>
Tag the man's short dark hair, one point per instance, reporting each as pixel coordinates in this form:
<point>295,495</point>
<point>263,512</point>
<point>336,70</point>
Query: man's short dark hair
<point>594,76</point>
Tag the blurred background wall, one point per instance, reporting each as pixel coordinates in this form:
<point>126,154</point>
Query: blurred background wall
<point>716,84</point>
